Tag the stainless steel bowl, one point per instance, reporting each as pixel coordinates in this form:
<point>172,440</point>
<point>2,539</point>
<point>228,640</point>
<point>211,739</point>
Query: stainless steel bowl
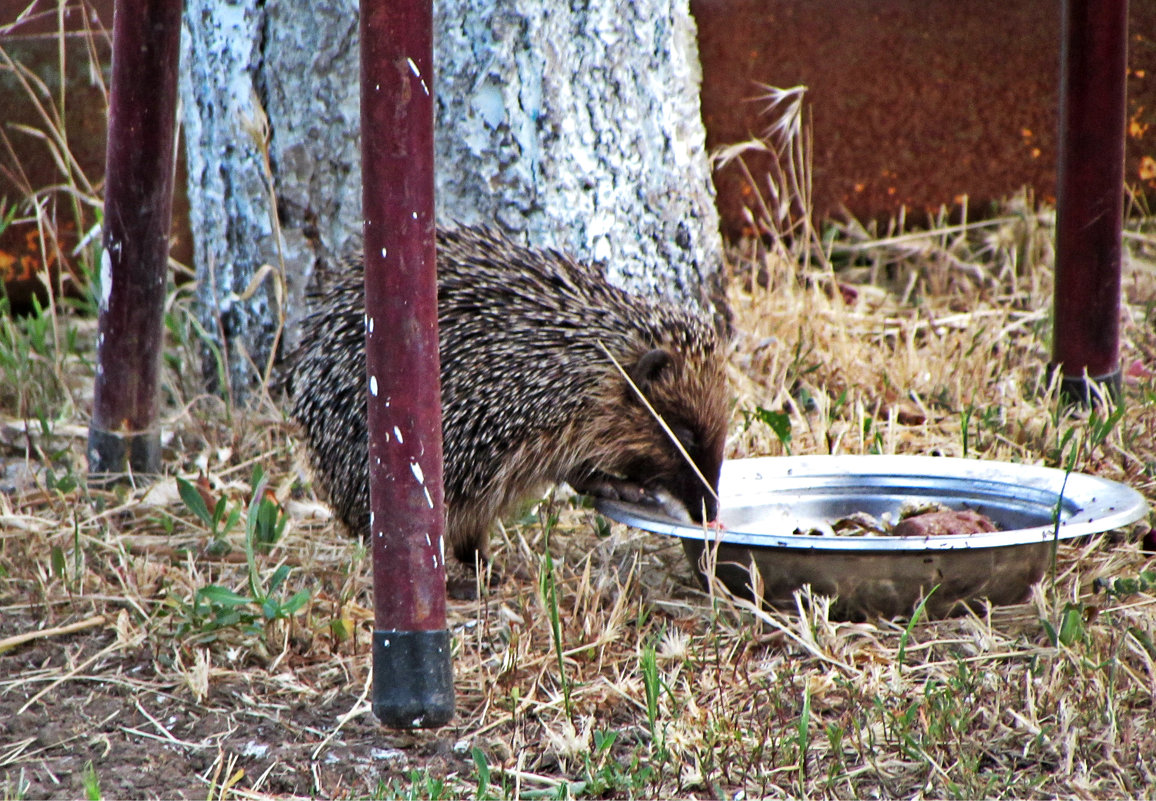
<point>765,504</point>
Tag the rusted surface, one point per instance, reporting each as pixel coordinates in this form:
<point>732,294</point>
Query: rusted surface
<point>26,255</point>
<point>31,167</point>
<point>1090,212</point>
<point>405,451</point>
<point>914,104</point>
<point>134,258</point>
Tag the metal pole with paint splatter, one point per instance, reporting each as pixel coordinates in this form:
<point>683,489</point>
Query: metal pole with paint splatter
<point>1090,207</point>
<point>413,675</point>
<point>124,436</point>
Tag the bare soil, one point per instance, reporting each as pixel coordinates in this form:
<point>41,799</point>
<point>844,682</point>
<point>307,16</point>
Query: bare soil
<point>82,700</point>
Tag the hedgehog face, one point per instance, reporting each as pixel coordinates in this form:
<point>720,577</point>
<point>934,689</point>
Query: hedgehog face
<point>689,393</point>
<point>639,459</point>
<point>685,483</point>
<point>665,479</point>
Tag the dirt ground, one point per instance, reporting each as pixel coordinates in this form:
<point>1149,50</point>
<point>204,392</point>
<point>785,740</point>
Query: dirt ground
<point>83,700</point>
<point>131,705</point>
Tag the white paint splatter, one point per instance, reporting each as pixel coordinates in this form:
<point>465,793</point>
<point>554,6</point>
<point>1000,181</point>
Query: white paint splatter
<point>428,498</point>
<point>417,74</point>
<point>373,385</point>
<point>383,253</point>
<point>105,278</point>
<point>417,472</point>
<point>397,433</point>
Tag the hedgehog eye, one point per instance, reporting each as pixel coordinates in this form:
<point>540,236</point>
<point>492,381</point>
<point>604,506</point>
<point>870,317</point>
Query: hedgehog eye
<point>685,436</point>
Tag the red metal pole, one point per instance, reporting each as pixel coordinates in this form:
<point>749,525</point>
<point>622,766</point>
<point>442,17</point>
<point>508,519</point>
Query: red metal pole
<point>124,436</point>
<point>1090,209</point>
<point>413,674</point>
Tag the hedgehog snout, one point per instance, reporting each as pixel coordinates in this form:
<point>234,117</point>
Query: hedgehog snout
<point>700,504</point>
<point>690,509</point>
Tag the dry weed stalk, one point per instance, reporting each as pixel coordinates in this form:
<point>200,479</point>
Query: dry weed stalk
<point>744,699</point>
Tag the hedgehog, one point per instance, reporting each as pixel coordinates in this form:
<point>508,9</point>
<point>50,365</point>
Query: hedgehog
<point>536,350</point>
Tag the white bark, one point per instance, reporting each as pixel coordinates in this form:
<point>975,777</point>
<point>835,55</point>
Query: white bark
<point>310,81</point>
<point>228,188</point>
<point>576,126</point>
<point>579,125</point>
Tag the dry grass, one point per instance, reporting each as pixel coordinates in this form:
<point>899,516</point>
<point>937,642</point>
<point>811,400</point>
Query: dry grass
<point>662,689</point>
<point>147,646</point>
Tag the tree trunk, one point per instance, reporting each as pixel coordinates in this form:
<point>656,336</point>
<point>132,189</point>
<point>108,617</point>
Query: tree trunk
<point>579,125</point>
<point>576,126</point>
<point>228,187</point>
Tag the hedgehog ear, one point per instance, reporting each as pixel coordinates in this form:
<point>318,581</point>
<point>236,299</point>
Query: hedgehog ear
<point>649,367</point>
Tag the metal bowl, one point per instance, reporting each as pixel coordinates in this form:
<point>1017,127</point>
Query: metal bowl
<point>766,502</point>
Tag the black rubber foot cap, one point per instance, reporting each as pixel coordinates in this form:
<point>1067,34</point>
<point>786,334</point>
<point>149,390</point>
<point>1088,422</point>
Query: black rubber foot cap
<point>1087,391</point>
<point>413,679</point>
<point>115,457</point>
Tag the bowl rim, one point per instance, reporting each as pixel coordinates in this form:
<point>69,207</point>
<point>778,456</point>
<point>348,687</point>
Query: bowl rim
<point>1090,504</point>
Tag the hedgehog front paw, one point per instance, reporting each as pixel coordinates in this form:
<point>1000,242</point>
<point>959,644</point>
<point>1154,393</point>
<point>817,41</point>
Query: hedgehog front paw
<point>604,485</point>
